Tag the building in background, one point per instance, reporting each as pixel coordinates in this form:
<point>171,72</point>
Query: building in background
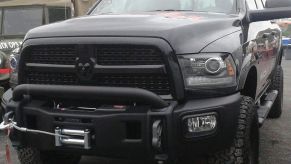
<point>82,6</point>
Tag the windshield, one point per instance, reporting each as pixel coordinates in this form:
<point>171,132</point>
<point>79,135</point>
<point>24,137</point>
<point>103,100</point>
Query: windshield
<point>17,21</point>
<point>127,6</point>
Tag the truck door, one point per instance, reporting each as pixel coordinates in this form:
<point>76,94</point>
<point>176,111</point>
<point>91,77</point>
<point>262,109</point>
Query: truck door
<point>271,35</point>
<point>260,35</point>
<point>275,41</point>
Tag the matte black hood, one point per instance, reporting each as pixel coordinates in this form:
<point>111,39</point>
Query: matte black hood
<point>187,32</point>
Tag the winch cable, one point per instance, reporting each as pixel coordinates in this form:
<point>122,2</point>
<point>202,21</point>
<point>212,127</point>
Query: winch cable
<point>11,125</point>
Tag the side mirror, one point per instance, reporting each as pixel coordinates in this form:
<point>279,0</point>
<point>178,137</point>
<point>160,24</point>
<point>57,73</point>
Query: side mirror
<point>274,9</point>
<point>277,3</point>
<point>269,14</point>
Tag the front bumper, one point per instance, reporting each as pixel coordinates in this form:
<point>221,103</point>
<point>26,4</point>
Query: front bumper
<point>123,134</point>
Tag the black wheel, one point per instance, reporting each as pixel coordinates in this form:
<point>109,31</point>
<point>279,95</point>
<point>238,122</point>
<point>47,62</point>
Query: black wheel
<point>29,155</point>
<point>277,84</point>
<point>245,147</point>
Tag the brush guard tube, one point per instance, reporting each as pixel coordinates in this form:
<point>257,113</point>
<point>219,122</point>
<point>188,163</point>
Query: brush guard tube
<point>133,95</point>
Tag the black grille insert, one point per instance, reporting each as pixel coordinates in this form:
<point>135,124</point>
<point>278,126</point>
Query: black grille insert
<point>105,55</point>
<point>153,82</point>
<point>52,54</point>
<point>56,65</point>
<point>50,78</point>
<point>128,55</point>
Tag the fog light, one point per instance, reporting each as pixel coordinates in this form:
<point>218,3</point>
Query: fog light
<point>198,124</point>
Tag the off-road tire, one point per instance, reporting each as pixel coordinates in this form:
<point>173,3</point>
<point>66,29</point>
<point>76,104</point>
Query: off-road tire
<point>30,155</point>
<point>245,147</point>
<point>277,84</point>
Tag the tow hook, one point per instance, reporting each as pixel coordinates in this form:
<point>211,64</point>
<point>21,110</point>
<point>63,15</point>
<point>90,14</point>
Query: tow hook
<point>157,142</point>
<point>9,123</point>
<point>8,116</point>
<point>4,126</point>
<point>157,135</point>
<point>6,119</point>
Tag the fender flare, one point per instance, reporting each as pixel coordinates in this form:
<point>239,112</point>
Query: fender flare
<point>245,70</point>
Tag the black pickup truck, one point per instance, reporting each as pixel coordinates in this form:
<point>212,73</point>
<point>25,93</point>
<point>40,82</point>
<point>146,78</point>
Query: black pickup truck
<point>154,80</point>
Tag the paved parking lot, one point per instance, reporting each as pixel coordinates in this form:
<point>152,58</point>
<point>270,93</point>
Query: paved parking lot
<point>275,135</point>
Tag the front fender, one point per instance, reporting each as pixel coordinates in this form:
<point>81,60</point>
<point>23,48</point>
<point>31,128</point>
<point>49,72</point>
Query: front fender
<point>249,62</point>
<point>243,54</point>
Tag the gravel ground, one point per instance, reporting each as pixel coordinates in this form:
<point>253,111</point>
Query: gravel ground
<point>275,135</point>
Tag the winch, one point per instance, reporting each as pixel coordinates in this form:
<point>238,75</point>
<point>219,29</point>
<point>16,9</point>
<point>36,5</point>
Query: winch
<point>75,137</point>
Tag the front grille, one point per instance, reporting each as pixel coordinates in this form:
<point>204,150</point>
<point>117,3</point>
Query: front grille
<point>128,55</point>
<point>155,83</point>
<point>58,78</point>
<point>54,54</point>
<point>56,65</point>
<point>104,54</point>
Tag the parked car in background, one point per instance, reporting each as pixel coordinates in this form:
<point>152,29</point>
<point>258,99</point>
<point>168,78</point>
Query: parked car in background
<point>19,16</point>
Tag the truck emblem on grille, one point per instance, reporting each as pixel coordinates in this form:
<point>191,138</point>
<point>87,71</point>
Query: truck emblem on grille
<point>85,69</point>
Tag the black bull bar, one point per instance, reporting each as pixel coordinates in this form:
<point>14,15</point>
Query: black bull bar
<point>107,94</point>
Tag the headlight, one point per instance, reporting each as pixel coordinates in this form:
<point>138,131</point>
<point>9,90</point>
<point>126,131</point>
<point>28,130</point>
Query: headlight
<point>211,70</point>
<point>13,62</point>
